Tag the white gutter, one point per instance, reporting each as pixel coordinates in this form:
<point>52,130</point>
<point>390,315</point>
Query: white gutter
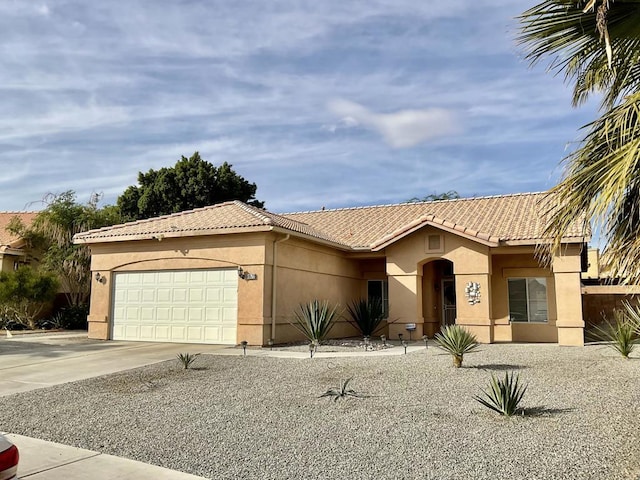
<point>274,278</point>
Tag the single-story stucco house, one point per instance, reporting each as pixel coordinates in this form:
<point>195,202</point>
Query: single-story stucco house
<point>232,272</point>
<point>13,249</point>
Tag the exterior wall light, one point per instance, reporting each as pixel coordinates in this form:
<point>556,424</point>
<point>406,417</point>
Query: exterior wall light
<point>246,275</point>
<point>472,292</point>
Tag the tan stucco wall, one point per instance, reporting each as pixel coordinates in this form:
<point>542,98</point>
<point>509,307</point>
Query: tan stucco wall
<point>405,260</point>
<point>522,264</point>
<point>218,251</point>
<point>413,299</point>
<point>307,271</point>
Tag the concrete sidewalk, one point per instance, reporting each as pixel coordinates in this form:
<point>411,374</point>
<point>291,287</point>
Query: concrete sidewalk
<point>41,460</point>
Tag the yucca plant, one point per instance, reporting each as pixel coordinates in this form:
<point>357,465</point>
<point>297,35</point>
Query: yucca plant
<point>315,319</point>
<point>366,315</point>
<point>621,333</point>
<point>457,341</point>
<point>343,391</point>
<point>187,359</point>
<point>503,396</point>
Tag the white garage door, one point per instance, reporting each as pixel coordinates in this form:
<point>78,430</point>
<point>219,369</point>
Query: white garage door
<point>184,306</point>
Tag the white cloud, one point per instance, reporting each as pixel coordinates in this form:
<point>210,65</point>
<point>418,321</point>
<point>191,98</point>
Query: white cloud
<point>402,129</point>
<point>43,10</point>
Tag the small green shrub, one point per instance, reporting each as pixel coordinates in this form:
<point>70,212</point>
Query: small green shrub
<point>315,319</point>
<point>456,341</point>
<point>343,391</point>
<point>24,293</point>
<point>366,315</point>
<point>187,359</point>
<point>621,333</point>
<point>503,396</point>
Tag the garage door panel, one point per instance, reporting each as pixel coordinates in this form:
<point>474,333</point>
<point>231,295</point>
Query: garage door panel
<point>181,278</point>
<point>148,314</point>
<point>179,295</point>
<point>196,295</point>
<point>197,306</point>
<point>195,315</point>
<point>163,333</point>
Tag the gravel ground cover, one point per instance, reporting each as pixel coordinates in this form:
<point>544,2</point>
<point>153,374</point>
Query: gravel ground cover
<point>260,417</point>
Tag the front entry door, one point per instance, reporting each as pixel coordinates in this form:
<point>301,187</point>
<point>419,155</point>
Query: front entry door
<point>448,301</point>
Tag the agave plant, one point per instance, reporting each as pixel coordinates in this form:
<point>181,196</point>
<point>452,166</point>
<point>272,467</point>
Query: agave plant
<point>621,333</point>
<point>366,315</point>
<point>457,341</point>
<point>187,359</point>
<point>315,319</point>
<point>503,396</point>
<point>343,391</point>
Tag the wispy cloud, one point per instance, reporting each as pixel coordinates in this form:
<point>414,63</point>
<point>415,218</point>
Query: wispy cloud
<point>402,129</point>
<point>319,103</point>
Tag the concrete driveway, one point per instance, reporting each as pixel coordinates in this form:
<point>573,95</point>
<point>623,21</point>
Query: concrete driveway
<point>28,362</point>
<point>32,361</point>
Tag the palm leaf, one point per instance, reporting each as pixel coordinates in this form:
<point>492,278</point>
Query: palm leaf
<point>596,54</point>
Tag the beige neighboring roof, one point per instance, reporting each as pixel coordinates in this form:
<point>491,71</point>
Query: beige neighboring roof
<point>6,238</point>
<point>228,217</point>
<point>503,219</point>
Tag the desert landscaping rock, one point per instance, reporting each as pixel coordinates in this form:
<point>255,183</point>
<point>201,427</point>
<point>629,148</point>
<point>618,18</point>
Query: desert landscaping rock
<point>260,417</point>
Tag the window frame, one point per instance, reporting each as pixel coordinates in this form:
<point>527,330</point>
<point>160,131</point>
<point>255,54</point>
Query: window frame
<point>384,289</point>
<point>529,319</point>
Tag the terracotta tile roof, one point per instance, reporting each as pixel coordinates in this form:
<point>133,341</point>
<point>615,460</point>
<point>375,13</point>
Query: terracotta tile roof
<point>489,220</point>
<point>228,217</point>
<point>7,238</point>
<point>505,218</point>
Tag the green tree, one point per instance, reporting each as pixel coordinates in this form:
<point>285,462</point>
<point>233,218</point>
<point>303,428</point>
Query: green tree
<point>23,294</point>
<point>52,233</point>
<point>596,45</point>
<point>450,195</point>
<point>190,183</point>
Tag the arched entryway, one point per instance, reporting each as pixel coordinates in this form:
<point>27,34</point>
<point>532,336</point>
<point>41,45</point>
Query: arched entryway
<point>438,295</point>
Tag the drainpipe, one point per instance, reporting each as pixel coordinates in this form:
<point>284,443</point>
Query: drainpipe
<point>274,278</point>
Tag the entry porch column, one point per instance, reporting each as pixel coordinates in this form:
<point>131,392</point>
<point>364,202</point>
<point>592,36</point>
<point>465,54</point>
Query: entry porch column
<point>566,275</point>
<point>405,304</point>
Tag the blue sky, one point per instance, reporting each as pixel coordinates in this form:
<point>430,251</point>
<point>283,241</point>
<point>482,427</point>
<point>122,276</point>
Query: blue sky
<point>331,103</point>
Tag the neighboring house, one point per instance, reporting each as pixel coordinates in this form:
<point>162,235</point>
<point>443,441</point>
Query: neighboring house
<point>13,251</point>
<point>232,272</point>
<point>602,294</point>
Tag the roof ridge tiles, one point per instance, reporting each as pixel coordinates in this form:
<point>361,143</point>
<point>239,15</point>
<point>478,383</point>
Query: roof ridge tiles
<point>399,204</point>
<point>254,211</point>
<point>155,219</point>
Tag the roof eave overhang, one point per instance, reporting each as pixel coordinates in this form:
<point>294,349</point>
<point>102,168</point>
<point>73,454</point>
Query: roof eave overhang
<point>159,236</point>
<point>478,237</point>
<point>542,241</point>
